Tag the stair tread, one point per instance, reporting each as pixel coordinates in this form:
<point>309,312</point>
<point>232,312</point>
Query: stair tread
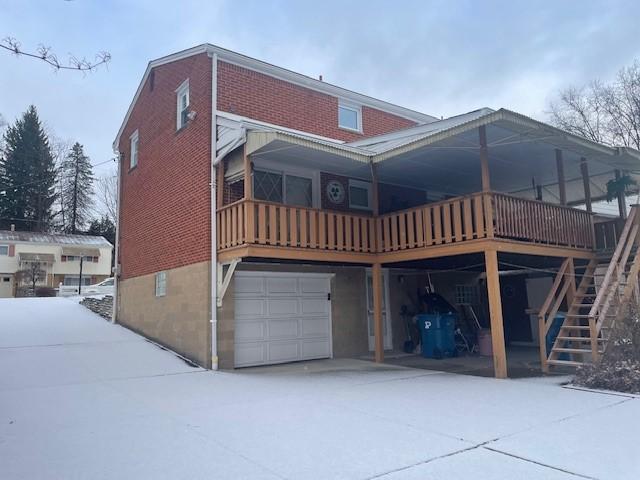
<point>568,363</point>
<point>578,339</point>
<point>572,350</point>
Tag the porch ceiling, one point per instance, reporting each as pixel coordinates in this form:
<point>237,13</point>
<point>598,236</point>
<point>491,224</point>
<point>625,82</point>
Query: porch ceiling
<point>519,157</point>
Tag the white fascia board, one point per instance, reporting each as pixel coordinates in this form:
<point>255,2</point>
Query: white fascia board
<point>276,72</point>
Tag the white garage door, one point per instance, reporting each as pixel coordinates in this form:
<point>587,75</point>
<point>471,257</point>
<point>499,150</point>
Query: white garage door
<point>281,317</point>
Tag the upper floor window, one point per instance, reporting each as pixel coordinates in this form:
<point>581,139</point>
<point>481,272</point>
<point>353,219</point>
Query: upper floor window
<point>4,250</point>
<point>360,195</point>
<point>182,105</point>
<point>350,117</point>
<point>133,161</point>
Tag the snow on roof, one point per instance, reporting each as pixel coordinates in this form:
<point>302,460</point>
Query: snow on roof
<point>56,238</point>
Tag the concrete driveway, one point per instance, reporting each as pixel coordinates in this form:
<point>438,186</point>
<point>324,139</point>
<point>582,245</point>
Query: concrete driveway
<point>81,398</point>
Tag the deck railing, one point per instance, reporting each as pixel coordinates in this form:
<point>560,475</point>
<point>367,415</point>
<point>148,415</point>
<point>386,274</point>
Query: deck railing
<point>460,219</point>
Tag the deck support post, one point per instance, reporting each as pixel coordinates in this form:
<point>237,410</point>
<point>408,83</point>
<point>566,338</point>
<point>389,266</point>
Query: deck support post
<point>248,187</point>
<point>584,170</point>
<point>562,186</point>
<point>220,184</point>
<point>484,159</point>
<point>376,276</point>
<point>622,202</point>
<point>495,312</point>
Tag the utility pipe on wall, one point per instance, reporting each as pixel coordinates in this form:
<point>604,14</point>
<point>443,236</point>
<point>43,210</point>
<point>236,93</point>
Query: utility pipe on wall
<point>214,227</point>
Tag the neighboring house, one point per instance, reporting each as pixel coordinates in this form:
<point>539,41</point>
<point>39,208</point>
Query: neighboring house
<point>58,257</point>
<point>332,209</point>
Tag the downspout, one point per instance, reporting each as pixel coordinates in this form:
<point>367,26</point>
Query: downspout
<point>116,263</point>
<point>214,227</point>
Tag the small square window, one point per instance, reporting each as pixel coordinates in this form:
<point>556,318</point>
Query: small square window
<point>161,284</point>
<point>466,295</point>
<point>182,105</point>
<point>4,250</point>
<point>133,162</point>
<point>360,195</point>
<point>350,117</point>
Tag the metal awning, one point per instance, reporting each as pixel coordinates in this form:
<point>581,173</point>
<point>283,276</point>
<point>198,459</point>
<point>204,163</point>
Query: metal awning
<point>36,257</point>
<point>81,252</point>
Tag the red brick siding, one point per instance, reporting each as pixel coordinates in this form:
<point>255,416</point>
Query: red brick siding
<point>268,99</point>
<point>165,200</point>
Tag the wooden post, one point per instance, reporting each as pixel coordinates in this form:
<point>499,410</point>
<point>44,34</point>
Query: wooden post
<point>220,184</point>
<point>375,195</point>
<point>484,159</point>
<point>584,169</point>
<point>495,312</point>
<point>376,275</point>
<point>622,203</point>
<point>248,184</point>
<point>562,187</point>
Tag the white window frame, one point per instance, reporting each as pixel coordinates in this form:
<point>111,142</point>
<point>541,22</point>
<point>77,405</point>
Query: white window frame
<point>364,185</point>
<point>354,108</point>
<point>180,91</point>
<point>161,284</point>
<point>133,153</point>
<point>273,167</point>
<point>4,254</point>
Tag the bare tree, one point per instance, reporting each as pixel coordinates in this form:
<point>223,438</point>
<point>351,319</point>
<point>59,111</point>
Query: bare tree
<point>32,273</point>
<point>107,196</point>
<point>46,55</point>
<point>607,113</point>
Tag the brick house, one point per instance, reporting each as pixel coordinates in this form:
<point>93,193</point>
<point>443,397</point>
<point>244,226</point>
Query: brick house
<point>266,216</point>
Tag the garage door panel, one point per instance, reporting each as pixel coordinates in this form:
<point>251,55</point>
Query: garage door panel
<point>281,318</point>
<point>283,328</point>
<point>315,349</point>
<point>251,331</point>
<point>247,285</point>
<point>314,306</point>
<point>284,351</point>
<point>282,285</point>
<point>250,354</point>
<point>315,327</point>
<point>282,306</point>
<point>251,307</point>
<point>316,285</point>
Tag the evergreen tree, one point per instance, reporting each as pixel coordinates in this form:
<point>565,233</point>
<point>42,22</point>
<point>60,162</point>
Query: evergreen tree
<point>76,189</point>
<point>103,227</point>
<point>27,176</point>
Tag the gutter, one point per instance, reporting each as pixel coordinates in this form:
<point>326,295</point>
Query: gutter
<point>116,263</point>
<point>214,208</point>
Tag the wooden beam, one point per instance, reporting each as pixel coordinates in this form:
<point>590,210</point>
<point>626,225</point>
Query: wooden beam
<point>562,186</point>
<point>484,159</point>
<point>248,184</point>
<point>495,312</point>
<point>220,184</point>
<point>584,170</point>
<point>622,202</point>
<point>376,274</point>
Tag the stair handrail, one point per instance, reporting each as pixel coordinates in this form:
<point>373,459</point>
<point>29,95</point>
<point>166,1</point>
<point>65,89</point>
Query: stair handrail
<point>611,281</point>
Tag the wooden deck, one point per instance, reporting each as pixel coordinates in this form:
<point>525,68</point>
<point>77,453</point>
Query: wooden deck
<point>454,226</point>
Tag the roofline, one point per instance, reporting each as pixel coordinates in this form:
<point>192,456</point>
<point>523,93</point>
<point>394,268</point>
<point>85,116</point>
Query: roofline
<point>269,69</point>
<point>106,243</point>
<point>501,114</point>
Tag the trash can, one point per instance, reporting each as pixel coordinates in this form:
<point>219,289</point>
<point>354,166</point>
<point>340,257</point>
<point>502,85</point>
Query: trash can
<point>438,334</point>
<point>552,333</point>
<point>485,342</point>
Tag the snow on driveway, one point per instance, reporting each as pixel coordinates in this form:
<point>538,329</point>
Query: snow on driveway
<point>81,398</point>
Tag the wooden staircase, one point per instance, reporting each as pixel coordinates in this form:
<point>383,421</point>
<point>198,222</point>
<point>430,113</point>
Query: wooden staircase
<point>607,284</point>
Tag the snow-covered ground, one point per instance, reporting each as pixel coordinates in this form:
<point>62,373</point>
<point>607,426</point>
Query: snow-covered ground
<point>81,398</point>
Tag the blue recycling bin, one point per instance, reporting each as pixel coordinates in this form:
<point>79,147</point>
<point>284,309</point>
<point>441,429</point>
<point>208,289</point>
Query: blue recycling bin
<point>552,333</point>
<point>438,334</point>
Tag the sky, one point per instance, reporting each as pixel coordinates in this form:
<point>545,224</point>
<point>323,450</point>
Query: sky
<point>439,57</point>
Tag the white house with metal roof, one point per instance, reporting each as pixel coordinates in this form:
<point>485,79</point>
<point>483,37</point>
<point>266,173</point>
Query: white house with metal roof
<point>57,255</point>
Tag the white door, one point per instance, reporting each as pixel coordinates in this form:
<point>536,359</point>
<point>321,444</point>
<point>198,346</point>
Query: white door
<point>6,286</point>
<point>281,317</point>
<point>386,324</point>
